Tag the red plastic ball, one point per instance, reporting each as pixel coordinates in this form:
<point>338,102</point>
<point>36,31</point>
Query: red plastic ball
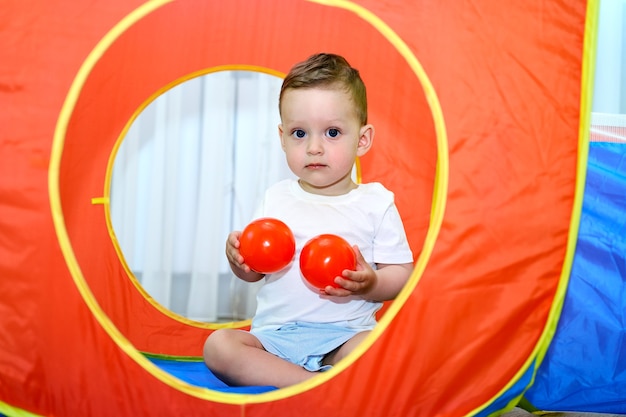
<point>267,245</point>
<point>324,258</point>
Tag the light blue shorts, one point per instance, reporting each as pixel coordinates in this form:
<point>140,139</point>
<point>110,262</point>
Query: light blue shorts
<point>305,344</point>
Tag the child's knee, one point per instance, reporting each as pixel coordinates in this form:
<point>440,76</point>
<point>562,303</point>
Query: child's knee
<point>224,350</point>
<point>217,338</point>
<point>215,346</point>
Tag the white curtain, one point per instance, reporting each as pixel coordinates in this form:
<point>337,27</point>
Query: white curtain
<point>193,167</point>
<point>609,94</point>
<point>608,119</point>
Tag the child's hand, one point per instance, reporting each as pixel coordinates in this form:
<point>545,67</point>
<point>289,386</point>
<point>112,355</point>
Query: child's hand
<point>357,282</point>
<point>232,251</point>
<point>236,261</point>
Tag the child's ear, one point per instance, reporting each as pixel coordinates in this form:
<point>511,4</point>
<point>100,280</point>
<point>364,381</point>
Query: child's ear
<point>280,135</point>
<point>366,139</point>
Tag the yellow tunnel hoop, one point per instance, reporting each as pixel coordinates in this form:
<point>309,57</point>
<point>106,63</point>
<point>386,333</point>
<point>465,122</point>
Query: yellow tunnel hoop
<point>106,197</point>
<point>438,208</point>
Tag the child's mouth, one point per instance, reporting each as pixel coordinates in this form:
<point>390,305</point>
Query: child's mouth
<point>315,166</point>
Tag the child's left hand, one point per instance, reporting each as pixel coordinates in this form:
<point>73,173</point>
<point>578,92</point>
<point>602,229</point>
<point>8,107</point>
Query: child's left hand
<point>357,282</point>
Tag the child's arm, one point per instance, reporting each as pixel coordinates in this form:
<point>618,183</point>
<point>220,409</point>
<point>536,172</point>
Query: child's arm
<point>377,285</point>
<point>236,261</point>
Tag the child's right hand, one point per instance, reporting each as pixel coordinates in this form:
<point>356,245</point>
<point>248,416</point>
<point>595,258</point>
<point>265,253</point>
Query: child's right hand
<point>232,251</point>
<point>236,261</point>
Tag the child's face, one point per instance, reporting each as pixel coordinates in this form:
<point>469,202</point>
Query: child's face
<point>322,136</point>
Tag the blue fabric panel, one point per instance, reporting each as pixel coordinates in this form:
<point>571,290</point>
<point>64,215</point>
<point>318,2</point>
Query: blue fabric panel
<point>585,366</point>
<point>196,373</point>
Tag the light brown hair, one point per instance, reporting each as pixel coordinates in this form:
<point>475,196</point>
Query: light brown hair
<point>328,71</point>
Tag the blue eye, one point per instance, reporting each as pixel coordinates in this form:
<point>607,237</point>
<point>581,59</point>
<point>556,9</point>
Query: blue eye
<point>333,133</point>
<point>299,133</point>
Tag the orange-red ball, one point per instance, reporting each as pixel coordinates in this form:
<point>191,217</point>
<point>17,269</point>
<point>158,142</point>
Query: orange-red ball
<point>324,258</point>
<point>267,245</point>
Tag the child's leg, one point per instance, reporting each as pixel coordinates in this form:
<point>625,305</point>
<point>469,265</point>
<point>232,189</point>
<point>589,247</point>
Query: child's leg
<point>238,358</point>
<point>342,351</point>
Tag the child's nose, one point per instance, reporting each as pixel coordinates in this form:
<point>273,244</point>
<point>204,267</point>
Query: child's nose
<point>314,145</point>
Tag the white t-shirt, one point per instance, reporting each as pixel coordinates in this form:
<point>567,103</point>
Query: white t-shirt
<point>366,216</point>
